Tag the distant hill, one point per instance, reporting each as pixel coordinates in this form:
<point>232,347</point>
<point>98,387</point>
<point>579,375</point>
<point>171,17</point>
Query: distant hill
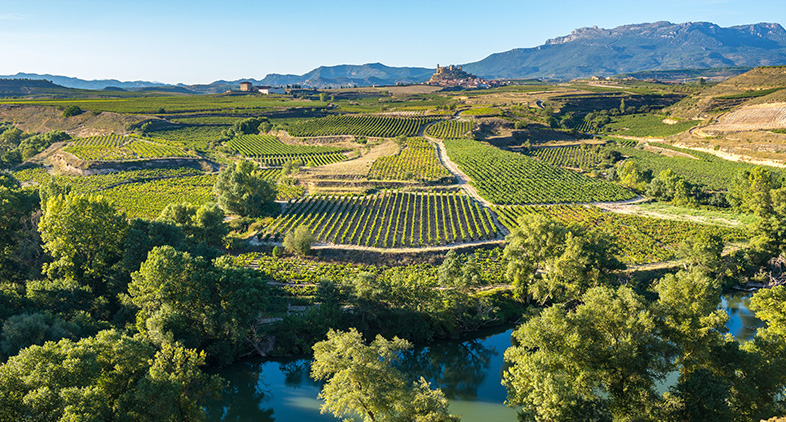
<point>342,75</point>
<point>632,48</point>
<point>688,75</point>
<point>760,85</point>
<point>70,82</point>
<point>18,87</point>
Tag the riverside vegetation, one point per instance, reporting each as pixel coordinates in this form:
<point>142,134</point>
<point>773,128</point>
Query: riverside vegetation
<point>232,226</point>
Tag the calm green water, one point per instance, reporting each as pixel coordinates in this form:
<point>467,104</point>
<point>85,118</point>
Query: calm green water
<point>468,372</point>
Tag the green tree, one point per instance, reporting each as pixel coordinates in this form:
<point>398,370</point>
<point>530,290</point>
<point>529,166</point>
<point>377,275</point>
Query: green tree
<point>241,189</point>
<point>203,224</point>
<point>85,236</point>
<point>17,208</point>
<point>323,96</point>
<point>362,379</point>
<point>750,190</point>
<point>632,176</point>
<point>702,251</point>
<point>107,377</point>
<point>199,304</point>
<point>299,241</point>
<point>597,361</point>
<point>552,262</point>
<point>668,186</point>
<point>72,110</point>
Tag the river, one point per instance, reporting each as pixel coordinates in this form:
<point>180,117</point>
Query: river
<point>468,372</point>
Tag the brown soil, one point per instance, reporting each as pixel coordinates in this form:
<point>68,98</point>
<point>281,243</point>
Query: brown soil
<point>40,119</point>
<point>764,116</point>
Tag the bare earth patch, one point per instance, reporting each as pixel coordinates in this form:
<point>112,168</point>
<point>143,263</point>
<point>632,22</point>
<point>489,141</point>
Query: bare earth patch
<point>762,116</point>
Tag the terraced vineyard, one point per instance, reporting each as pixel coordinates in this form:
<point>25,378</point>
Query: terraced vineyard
<point>575,156</point>
<point>148,199</point>
<point>388,220</point>
<point>450,129</point>
<point>144,193</point>
<point>122,148</point>
<point>418,160</point>
<point>506,177</point>
<point>376,126</point>
<point>272,152</point>
<point>640,240</point>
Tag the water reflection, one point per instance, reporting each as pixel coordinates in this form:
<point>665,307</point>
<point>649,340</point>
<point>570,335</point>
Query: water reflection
<point>457,369</point>
<point>468,372</point>
<point>742,322</point>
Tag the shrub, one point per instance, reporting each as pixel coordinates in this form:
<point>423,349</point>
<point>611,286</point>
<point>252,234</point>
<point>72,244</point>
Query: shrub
<point>299,241</point>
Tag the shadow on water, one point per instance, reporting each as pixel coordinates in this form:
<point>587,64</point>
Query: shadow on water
<point>468,371</point>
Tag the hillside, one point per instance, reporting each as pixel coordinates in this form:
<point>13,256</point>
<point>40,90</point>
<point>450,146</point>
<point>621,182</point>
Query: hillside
<point>756,85</point>
<point>648,46</point>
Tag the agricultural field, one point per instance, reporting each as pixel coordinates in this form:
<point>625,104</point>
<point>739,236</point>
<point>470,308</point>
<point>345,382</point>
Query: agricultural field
<point>144,193</point>
<point>122,148</point>
<point>504,177</point>
<point>272,152</point>
<point>388,220</point>
<point>574,156</point>
<point>418,160</point>
<point>298,271</point>
<point>481,112</point>
<point>647,125</point>
<point>639,240</point>
<point>450,129</point>
<point>704,169</point>
<point>176,104</point>
<point>358,125</point>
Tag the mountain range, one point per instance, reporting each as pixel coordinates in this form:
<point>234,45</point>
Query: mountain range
<point>585,52</point>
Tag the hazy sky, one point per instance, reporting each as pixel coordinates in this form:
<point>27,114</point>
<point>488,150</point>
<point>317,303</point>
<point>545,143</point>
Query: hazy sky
<point>198,41</point>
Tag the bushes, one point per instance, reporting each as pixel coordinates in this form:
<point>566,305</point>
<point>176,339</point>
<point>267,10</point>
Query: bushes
<point>299,241</point>
<point>72,110</point>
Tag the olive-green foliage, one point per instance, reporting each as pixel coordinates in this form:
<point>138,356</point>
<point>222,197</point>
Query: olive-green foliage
<point>750,189</point>
<point>85,236</point>
<point>109,377</point>
<point>203,305</point>
<point>702,251</point>
<point>668,186</point>
<point>18,240</point>
<point>299,241</point>
<point>72,110</point>
<point>252,125</point>
<point>631,175</point>
<point>551,262</point>
<point>602,359</point>
<point>595,362</point>
<point>17,146</point>
<point>204,224</point>
<point>362,379</point>
<point>241,188</point>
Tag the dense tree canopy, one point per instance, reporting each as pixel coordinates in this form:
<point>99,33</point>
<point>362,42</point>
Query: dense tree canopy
<point>109,377</point>
<point>201,304</point>
<point>552,262</point>
<point>242,189</point>
<point>362,379</point>
<point>85,236</point>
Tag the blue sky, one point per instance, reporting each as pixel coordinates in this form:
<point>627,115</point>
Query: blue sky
<point>199,41</point>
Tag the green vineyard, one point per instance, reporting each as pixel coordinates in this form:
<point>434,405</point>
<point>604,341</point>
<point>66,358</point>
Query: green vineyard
<point>575,157</point>
<point>506,177</point>
<point>418,160</point>
<point>640,240</point>
<point>450,129</point>
<point>388,220</point>
<point>272,152</point>
<point>121,148</point>
<point>376,126</point>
